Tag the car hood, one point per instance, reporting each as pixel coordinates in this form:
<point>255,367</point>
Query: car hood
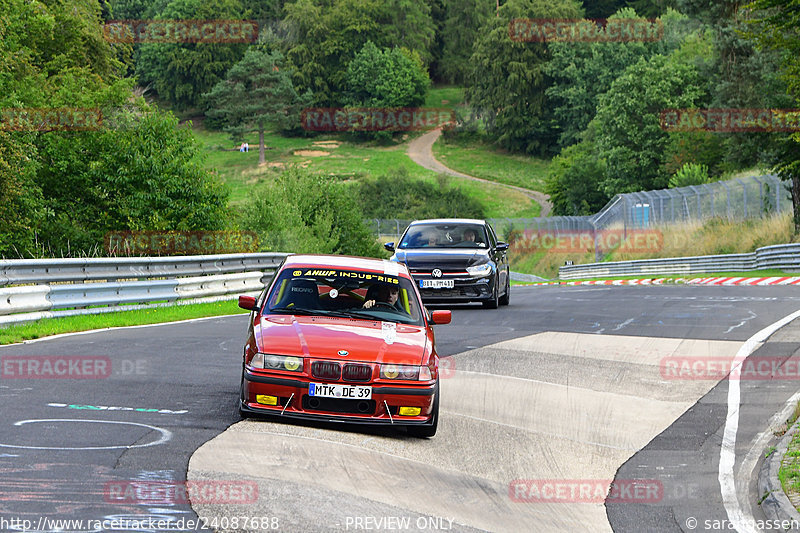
<point>438,258</point>
<point>324,337</point>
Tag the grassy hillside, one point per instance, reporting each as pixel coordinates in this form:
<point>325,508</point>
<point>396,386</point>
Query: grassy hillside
<point>485,161</point>
<point>715,236</point>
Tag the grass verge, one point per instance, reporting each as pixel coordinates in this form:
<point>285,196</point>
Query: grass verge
<point>54,326</point>
<point>789,471</point>
<point>476,158</point>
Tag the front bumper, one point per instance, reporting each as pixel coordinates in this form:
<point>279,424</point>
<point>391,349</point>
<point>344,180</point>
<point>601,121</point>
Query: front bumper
<point>465,290</point>
<point>294,402</point>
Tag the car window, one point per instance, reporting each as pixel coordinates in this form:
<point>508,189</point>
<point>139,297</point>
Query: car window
<point>444,236</point>
<point>492,236</point>
<point>342,292</point>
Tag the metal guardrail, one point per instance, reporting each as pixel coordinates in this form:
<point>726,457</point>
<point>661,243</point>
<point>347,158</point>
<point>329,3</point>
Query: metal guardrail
<point>63,287</point>
<point>780,256</point>
<point>17,271</point>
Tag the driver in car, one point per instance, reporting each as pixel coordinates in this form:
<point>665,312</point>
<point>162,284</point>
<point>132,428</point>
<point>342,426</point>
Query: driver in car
<point>381,294</point>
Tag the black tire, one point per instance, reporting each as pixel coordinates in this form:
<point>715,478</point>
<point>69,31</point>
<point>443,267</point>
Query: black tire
<point>429,430</point>
<point>505,299</point>
<point>242,413</point>
<point>495,301</point>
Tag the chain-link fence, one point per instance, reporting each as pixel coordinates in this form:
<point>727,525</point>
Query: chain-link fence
<point>741,198</point>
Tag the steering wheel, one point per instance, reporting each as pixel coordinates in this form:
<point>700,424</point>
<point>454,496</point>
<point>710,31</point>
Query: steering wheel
<point>384,305</point>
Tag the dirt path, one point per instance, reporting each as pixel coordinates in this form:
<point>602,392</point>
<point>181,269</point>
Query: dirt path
<point>420,150</point>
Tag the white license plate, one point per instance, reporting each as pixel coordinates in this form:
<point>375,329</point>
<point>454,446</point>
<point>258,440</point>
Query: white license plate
<point>436,284</point>
<point>350,392</point>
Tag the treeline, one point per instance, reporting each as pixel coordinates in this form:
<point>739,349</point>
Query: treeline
<point>596,106</point>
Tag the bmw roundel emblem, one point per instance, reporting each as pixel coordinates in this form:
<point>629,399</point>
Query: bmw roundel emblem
<point>343,353</point>
<point>436,273</point>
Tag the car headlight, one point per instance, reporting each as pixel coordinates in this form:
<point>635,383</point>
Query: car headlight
<point>480,270</point>
<point>270,361</point>
<point>407,372</point>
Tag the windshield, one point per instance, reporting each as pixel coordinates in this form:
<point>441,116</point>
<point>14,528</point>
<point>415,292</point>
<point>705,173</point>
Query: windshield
<point>444,236</point>
<point>345,293</point>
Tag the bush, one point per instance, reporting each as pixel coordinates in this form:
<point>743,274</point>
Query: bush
<point>397,195</point>
<point>305,213</point>
<point>689,174</point>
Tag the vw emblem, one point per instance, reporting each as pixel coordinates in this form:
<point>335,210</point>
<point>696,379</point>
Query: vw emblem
<point>343,353</point>
<point>436,273</point>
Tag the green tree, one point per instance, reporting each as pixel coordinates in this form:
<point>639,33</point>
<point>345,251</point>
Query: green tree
<point>144,173</point>
<point>21,206</point>
<point>182,72</point>
<point>327,35</point>
<point>508,79</point>
<point>574,180</point>
<point>305,213</point>
<point>583,71</point>
<point>256,94</point>
<point>775,24</point>
<point>628,121</point>
<point>386,78</point>
<point>463,24</point>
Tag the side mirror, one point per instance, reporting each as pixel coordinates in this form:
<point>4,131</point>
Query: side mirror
<point>248,302</point>
<point>502,246</point>
<point>389,246</point>
<point>441,317</point>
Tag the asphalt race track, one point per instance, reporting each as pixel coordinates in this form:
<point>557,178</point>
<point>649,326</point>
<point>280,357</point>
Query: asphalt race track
<point>544,403</point>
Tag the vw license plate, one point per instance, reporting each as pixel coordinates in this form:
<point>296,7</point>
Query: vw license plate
<point>436,284</point>
<point>326,390</point>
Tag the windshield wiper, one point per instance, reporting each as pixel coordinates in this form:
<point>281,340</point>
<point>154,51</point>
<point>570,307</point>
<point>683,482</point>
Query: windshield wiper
<point>305,311</point>
<point>295,310</point>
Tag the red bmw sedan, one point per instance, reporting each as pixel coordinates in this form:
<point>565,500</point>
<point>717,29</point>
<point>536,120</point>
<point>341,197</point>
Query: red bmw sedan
<point>343,339</point>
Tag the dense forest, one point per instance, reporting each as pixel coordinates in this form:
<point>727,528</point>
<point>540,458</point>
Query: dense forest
<point>594,107</point>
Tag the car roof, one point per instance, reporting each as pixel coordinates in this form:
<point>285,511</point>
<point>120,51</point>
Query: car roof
<point>449,221</point>
<point>383,266</point>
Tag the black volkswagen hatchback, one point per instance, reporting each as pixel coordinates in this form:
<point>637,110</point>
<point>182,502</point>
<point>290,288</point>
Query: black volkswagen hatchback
<point>455,260</point>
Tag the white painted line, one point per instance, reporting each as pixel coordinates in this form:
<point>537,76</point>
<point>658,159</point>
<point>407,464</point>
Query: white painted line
<point>741,521</point>
<point>165,435</point>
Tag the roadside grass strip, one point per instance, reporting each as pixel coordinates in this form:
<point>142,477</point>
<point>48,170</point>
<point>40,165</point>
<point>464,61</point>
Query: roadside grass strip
<point>789,472</point>
<point>172,313</point>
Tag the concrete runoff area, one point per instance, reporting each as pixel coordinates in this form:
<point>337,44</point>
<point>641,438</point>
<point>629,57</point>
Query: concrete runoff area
<point>550,406</point>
